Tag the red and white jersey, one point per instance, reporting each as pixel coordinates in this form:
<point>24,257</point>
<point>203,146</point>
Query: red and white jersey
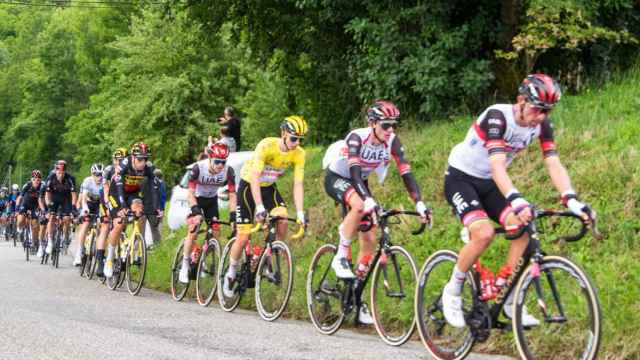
<point>206,184</point>
<point>496,131</point>
<point>359,148</point>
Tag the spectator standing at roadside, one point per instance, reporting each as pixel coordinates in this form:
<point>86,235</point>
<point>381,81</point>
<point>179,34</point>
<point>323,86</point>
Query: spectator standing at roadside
<point>232,123</point>
<point>155,223</point>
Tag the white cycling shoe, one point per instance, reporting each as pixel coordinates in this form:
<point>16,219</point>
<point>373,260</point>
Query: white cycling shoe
<point>364,316</point>
<point>108,268</point>
<point>341,266</point>
<point>49,247</point>
<point>452,308</point>
<point>227,290</point>
<point>184,274</point>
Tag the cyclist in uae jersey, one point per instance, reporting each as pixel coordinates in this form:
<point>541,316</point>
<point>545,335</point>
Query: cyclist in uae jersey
<point>28,203</point>
<point>109,171</point>
<point>133,171</point>
<point>257,192</point>
<point>89,202</point>
<point>478,187</point>
<point>206,177</point>
<point>349,164</point>
<point>60,197</point>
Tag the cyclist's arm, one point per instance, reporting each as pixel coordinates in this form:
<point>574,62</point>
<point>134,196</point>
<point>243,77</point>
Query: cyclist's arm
<point>354,143</point>
<point>558,173</point>
<point>74,193</point>
<point>193,178</point>
<point>397,151</point>
<point>231,188</point>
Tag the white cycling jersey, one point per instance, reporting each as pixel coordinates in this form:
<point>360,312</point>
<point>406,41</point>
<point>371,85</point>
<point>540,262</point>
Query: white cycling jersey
<point>206,184</point>
<point>496,131</point>
<point>92,191</point>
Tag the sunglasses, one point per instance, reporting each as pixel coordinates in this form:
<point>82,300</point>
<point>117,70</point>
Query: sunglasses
<point>540,110</point>
<point>141,158</point>
<point>219,162</point>
<point>295,139</point>
<point>36,179</point>
<point>386,125</point>
<point>97,174</point>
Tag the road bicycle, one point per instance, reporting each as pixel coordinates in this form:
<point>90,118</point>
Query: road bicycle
<point>204,266</point>
<point>269,270</point>
<point>553,288</point>
<point>55,236</point>
<point>130,262</point>
<point>89,247</point>
<point>330,299</point>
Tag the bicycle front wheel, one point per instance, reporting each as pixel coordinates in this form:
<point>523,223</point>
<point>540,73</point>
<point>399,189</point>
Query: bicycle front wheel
<point>392,296</point>
<point>442,340</point>
<point>274,280</point>
<point>207,274</point>
<point>178,289</point>
<point>136,265</point>
<point>324,292</point>
<point>561,296</point>
<point>229,303</point>
<point>115,280</point>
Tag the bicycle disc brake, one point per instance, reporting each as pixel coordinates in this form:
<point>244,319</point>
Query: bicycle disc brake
<point>479,321</point>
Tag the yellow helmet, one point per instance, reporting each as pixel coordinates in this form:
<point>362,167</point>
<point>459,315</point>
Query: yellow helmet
<point>295,125</point>
<point>120,153</point>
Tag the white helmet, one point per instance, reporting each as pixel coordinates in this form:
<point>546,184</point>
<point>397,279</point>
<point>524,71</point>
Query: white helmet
<point>15,187</point>
<point>97,168</point>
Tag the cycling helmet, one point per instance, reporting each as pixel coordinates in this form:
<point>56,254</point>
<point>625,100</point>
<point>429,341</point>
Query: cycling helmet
<point>4,190</point>
<point>383,110</point>
<point>140,150</point>
<point>15,187</point>
<point>61,165</point>
<point>97,168</point>
<point>36,174</point>
<point>218,151</point>
<point>540,90</point>
<point>120,153</point>
<point>295,125</point>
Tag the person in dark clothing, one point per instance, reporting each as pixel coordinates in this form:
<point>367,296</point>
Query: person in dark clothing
<point>232,123</point>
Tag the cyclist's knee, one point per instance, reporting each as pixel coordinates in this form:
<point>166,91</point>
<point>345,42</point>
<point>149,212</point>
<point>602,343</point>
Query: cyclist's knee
<point>481,232</point>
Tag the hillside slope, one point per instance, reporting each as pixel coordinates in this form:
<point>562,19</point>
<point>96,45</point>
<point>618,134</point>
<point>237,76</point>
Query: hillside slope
<point>597,134</point>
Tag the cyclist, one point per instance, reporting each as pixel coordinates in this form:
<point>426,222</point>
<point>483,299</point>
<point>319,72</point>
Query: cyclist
<point>4,203</point>
<point>28,202</point>
<point>258,192</point>
<point>59,194</point>
<point>12,207</point>
<point>90,200</point>
<point>118,155</point>
<point>349,164</point>
<point>126,193</point>
<point>207,176</point>
<point>478,187</point>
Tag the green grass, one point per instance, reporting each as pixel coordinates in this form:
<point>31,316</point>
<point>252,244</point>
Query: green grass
<point>597,134</point>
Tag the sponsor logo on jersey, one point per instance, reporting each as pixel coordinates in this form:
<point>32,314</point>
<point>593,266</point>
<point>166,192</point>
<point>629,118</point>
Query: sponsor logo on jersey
<point>459,202</point>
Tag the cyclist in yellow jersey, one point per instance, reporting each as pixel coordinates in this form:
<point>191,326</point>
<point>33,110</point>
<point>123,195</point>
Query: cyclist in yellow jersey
<point>257,192</point>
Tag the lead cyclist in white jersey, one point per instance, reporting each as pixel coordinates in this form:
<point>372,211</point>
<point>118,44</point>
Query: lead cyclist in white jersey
<point>349,164</point>
<point>478,187</point>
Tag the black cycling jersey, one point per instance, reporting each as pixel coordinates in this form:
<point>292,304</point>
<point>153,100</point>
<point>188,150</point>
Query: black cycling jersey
<point>64,187</point>
<point>129,181</point>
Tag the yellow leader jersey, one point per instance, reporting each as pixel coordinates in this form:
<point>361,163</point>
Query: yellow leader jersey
<point>271,162</point>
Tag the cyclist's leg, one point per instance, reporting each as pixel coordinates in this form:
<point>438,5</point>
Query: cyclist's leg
<point>105,225</point>
<point>244,219</point>
<point>275,205</point>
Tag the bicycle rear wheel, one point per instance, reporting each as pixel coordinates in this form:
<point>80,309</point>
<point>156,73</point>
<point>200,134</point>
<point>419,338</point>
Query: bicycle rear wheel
<point>562,297</point>
<point>136,265</point>
<point>274,281</point>
<point>392,296</point>
<point>115,280</point>
<point>207,275</point>
<point>178,289</point>
<point>442,340</point>
<point>229,304</point>
<point>324,292</point>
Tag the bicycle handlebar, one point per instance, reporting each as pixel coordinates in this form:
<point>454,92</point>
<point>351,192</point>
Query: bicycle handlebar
<point>539,214</point>
<point>395,212</point>
<point>298,235</point>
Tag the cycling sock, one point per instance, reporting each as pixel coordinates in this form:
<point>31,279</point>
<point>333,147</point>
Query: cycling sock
<point>186,262</point>
<point>345,244</point>
<point>100,255</point>
<point>110,251</point>
<point>233,265</point>
<point>457,280</point>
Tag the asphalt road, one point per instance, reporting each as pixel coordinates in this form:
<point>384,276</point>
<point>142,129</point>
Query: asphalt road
<point>48,313</point>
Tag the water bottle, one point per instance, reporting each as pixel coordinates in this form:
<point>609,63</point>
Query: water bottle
<point>487,284</point>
